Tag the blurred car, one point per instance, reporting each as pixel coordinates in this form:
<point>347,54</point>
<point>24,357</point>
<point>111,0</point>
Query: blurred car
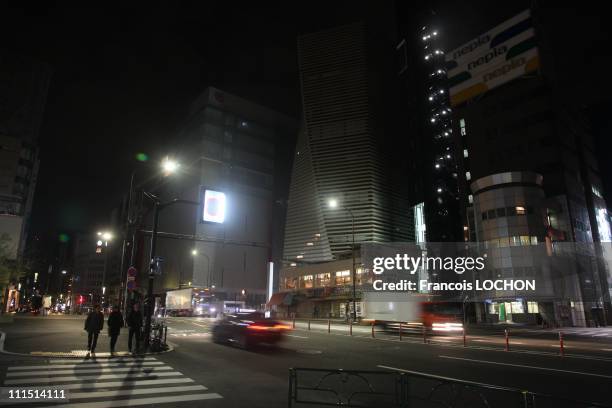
<point>248,329</point>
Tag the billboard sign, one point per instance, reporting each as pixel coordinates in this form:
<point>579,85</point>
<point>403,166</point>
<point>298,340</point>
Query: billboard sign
<point>502,54</point>
<point>214,204</point>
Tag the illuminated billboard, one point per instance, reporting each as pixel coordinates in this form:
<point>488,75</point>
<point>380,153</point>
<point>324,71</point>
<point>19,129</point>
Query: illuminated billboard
<point>502,54</point>
<point>214,204</point>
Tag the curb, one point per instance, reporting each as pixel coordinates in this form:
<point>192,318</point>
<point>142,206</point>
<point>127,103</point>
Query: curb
<point>62,354</point>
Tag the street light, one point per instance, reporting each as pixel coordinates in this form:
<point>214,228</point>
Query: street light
<point>194,252</point>
<point>170,166</point>
<point>103,238</point>
<point>333,203</point>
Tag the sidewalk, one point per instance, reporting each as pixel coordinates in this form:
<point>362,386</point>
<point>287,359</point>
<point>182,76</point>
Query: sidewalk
<point>57,337</point>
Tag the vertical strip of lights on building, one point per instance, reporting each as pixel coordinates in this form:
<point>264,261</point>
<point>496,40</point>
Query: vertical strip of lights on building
<point>444,163</point>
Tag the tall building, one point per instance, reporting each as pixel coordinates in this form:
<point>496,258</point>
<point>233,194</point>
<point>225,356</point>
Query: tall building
<point>228,145</point>
<point>528,172</point>
<point>349,182</point>
<point>23,93</point>
<point>425,105</point>
<point>343,152</point>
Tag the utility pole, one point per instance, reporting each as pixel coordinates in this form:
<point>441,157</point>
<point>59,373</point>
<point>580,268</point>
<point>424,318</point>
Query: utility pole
<point>158,206</point>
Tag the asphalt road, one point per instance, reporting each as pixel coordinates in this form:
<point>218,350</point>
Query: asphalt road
<point>204,374</point>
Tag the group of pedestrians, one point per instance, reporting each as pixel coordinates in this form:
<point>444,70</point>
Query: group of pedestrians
<point>95,323</point>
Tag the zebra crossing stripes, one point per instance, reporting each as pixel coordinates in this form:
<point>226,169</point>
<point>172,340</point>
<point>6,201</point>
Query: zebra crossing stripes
<point>107,383</point>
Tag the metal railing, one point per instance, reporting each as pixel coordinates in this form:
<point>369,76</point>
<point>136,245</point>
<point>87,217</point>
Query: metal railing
<point>411,389</point>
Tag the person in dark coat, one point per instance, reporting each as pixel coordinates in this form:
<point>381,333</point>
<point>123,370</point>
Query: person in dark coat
<point>94,325</point>
<point>134,321</point>
<point>115,323</point>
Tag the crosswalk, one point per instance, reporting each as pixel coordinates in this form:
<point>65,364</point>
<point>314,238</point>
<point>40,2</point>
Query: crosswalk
<point>106,383</point>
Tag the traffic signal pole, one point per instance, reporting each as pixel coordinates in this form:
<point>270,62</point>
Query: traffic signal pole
<point>150,305</point>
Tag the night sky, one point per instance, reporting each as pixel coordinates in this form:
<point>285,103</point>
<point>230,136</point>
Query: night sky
<point>125,73</point>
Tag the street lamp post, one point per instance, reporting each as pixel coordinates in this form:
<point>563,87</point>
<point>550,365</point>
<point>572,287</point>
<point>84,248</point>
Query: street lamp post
<point>106,236</point>
<point>168,166</point>
<point>334,204</point>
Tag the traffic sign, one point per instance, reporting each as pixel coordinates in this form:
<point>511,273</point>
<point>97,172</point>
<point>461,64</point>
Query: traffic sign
<point>131,284</point>
<point>132,271</point>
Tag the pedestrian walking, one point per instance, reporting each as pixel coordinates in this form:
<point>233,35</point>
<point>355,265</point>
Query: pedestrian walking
<point>93,325</point>
<point>134,322</point>
<point>115,323</point>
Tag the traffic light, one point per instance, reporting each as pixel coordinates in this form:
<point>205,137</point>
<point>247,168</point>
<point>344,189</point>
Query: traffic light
<point>99,247</point>
<point>80,299</point>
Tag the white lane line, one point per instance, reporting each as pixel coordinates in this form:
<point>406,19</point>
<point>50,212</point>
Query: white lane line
<point>142,401</point>
<point>526,366</point>
<point>118,384</point>
<point>86,365</point>
<point>43,380</point>
<point>81,360</point>
<point>295,335</point>
<point>139,391</point>
<point>89,370</point>
<point>606,349</point>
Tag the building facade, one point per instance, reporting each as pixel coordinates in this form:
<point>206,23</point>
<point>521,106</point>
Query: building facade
<point>348,182</point>
<point>23,86</point>
<point>343,154</point>
<point>509,118</point>
<point>228,145</point>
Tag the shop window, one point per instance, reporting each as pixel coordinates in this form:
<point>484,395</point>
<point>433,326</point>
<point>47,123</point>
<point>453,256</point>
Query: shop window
<point>308,281</point>
<point>532,307</point>
<point>517,307</point>
<point>343,278</point>
<point>493,308</point>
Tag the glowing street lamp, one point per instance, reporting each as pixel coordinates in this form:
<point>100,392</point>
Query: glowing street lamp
<point>169,166</point>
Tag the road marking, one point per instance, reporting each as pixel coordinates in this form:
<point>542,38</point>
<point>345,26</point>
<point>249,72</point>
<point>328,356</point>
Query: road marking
<point>138,386</point>
<point>89,370</point>
<point>142,401</point>
<point>86,365</point>
<point>606,349</point>
<point>41,380</point>
<point>92,360</point>
<point>526,366</point>
<point>295,335</point>
<point>139,391</point>
<point>117,384</point>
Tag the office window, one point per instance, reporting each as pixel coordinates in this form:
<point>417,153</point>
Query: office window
<point>520,210</point>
